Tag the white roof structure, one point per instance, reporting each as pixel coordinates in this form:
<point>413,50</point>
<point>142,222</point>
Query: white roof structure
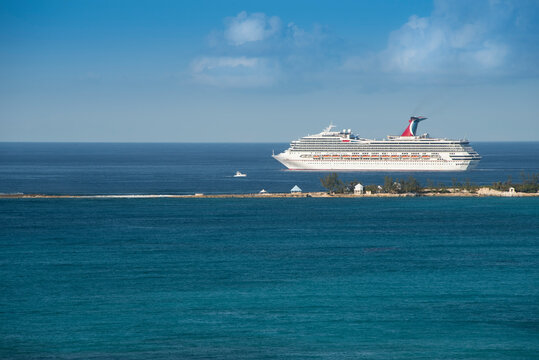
<point>295,189</point>
<point>358,189</point>
<point>262,191</point>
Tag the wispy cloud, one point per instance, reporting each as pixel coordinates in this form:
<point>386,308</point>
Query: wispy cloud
<point>435,44</point>
<point>245,28</point>
<point>256,50</point>
<point>460,42</point>
<point>240,72</point>
<point>468,38</point>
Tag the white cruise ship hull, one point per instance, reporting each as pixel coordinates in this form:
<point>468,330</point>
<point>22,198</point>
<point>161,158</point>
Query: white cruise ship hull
<point>297,163</point>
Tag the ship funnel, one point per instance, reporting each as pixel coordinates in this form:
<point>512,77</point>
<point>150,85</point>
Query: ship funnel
<point>412,127</point>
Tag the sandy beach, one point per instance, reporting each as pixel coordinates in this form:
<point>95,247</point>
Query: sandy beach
<point>483,192</point>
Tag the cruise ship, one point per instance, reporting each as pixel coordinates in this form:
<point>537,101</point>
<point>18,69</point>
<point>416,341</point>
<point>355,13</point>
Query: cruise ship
<point>342,150</point>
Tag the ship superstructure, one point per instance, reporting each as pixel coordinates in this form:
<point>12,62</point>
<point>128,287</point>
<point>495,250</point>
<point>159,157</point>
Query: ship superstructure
<point>342,150</point>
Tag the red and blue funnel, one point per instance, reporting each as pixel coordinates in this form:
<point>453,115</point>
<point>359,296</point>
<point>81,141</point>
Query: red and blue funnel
<point>412,127</point>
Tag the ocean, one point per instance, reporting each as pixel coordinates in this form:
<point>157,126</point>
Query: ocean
<point>104,168</point>
<point>258,278</point>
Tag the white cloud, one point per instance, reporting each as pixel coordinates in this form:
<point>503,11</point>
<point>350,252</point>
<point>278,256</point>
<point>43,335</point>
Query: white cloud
<point>240,72</point>
<point>458,38</point>
<point>300,37</point>
<point>491,55</point>
<point>432,45</point>
<point>254,50</point>
<point>209,63</point>
<point>245,28</point>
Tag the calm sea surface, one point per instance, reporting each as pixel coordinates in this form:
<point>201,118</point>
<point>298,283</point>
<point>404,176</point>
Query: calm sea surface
<point>82,168</point>
<point>409,278</point>
<point>306,278</point>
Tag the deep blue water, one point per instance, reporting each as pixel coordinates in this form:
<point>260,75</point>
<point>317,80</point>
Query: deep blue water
<point>101,168</point>
<point>412,278</point>
<point>306,278</point>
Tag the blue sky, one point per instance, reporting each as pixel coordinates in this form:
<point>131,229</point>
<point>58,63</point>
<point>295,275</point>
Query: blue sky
<point>269,71</point>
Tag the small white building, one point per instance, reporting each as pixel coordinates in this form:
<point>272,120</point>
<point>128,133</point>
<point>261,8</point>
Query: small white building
<point>511,192</point>
<point>263,191</point>
<point>295,189</point>
<point>358,189</point>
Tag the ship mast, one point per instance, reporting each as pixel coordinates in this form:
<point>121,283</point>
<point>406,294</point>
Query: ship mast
<point>330,126</point>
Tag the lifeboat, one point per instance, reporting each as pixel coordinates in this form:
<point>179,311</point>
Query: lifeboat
<point>415,156</point>
<point>425,156</point>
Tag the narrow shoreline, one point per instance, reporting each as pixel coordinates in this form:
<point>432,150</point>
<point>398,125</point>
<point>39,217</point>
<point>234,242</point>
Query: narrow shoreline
<point>484,192</point>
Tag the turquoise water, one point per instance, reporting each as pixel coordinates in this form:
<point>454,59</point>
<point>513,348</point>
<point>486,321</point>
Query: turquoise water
<point>411,278</point>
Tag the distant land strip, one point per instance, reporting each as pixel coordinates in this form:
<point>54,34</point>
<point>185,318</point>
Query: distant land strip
<point>483,192</point>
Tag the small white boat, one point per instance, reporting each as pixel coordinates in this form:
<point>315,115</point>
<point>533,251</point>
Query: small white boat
<point>239,174</point>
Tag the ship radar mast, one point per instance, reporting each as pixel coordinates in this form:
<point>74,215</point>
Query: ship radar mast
<point>330,126</point>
